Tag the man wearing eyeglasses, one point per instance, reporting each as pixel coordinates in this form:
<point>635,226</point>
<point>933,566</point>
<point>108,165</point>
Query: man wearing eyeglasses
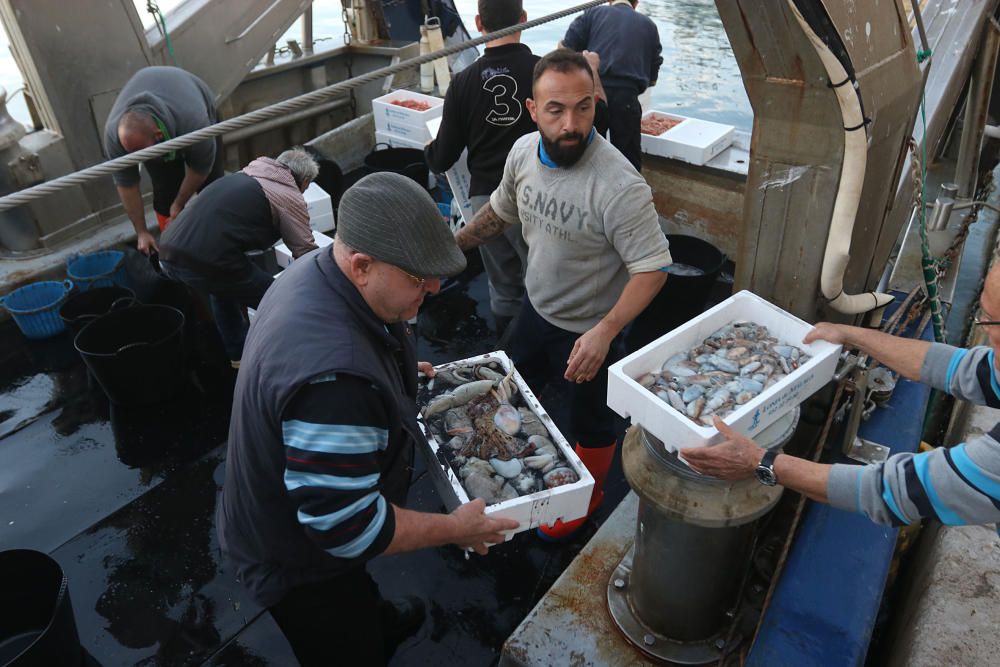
<point>956,485</point>
<point>157,104</point>
<point>322,435</point>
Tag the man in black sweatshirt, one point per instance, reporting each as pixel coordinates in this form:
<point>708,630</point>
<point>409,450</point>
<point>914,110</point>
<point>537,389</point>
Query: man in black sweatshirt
<point>484,111</point>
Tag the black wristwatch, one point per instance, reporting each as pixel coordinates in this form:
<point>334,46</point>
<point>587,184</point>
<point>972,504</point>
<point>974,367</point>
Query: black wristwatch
<point>765,469</point>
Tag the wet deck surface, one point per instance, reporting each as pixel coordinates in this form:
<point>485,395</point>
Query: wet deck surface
<point>124,500</point>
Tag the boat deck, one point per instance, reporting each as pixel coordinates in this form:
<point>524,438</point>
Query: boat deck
<point>124,500</point>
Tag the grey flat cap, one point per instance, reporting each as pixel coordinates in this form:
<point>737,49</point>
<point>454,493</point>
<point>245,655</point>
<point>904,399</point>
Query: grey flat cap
<point>391,218</point>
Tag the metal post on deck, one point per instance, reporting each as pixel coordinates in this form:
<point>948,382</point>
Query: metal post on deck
<point>976,106</point>
<point>307,31</point>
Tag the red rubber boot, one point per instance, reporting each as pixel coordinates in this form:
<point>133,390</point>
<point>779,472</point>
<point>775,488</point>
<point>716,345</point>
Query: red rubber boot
<point>598,461</point>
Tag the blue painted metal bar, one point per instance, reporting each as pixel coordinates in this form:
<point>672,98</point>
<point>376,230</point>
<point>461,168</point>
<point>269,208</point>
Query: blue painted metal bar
<point>824,607</point>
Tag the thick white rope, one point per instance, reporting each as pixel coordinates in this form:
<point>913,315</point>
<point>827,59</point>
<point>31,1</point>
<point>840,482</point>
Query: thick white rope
<point>260,115</point>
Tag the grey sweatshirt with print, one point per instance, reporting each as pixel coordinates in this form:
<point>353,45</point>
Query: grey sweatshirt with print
<point>589,228</point>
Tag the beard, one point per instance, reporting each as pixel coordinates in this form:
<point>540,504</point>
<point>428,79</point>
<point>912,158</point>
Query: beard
<point>562,153</point>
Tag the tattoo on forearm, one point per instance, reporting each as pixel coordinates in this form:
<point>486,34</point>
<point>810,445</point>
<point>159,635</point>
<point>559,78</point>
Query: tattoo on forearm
<point>486,225</point>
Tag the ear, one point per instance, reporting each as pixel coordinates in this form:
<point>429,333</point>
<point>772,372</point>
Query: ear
<point>360,265</point>
<point>479,24</point>
<point>532,109</point>
<point>524,17</point>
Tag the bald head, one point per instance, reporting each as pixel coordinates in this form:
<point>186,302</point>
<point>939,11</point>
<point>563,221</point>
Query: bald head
<point>138,130</point>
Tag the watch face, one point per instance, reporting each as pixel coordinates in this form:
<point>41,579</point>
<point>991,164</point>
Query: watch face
<point>765,476</point>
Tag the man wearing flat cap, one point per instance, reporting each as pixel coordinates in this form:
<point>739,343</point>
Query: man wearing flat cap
<point>324,425</point>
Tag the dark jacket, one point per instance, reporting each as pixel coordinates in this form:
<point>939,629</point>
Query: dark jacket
<point>213,233</point>
<point>627,42</point>
<point>485,111</point>
<point>312,322</point>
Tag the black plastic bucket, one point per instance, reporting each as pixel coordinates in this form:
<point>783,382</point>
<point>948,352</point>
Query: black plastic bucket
<point>36,618</point>
<point>330,176</point>
<point>137,354</point>
<point>406,161</point>
<point>82,307</point>
<point>683,296</point>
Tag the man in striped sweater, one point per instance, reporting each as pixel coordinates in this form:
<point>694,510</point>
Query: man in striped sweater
<point>955,485</point>
<point>322,435</point>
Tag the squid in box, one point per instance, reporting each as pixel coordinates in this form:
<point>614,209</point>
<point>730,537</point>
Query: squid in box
<point>488,437</point>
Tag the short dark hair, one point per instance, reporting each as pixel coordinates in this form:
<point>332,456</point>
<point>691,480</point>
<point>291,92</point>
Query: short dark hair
<point>561,60</point>
<point>499,14</point>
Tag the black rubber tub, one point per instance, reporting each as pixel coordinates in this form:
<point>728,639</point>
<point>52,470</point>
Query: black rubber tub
<point>684,295</point>
<point>36,617</point>
<point>406,161</point>
<point>137,354</point>
<point>82,307</point>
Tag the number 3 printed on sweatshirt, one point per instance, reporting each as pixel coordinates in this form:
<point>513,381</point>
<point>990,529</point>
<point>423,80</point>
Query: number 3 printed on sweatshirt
<point>506,108</point>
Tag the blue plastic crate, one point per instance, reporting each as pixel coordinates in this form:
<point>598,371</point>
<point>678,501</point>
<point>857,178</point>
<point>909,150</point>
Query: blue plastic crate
<point>98,269</point>
<point>35,307</point>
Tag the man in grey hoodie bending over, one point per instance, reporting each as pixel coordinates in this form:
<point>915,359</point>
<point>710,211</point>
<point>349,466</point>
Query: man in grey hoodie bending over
<point>956,485</point>
<point>157,104</point>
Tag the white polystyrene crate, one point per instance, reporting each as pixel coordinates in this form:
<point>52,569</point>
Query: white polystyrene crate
<point>630,399</point>
<point>403,122</point>
<point>394,141</point>
<point>692,140</point>
<point>567,502</point>
<point>320,208</point>
<point>459,181</point>
<point>283,256</point>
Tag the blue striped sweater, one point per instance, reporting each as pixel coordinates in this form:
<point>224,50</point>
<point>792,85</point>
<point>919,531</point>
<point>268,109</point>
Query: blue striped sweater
<point>335,433</point>
<point>959,485</point>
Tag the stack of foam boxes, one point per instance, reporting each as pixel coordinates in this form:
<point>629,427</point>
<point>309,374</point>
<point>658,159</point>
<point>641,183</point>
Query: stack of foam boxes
<point>400,127</point>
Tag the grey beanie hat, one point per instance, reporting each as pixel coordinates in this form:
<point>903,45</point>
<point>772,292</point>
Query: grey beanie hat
<point>391,218</point>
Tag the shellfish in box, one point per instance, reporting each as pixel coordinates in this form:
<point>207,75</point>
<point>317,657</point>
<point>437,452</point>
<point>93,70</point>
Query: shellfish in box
<point>488,437</point>
<point>742,360</point>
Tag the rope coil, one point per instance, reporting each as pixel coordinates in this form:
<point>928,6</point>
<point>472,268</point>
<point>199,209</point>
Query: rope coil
<point>260,115</point>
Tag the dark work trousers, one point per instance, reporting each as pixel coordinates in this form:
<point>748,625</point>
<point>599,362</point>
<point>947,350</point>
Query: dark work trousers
<point>626,116</point>
<point>539,351</point>
<point>167,175</point>
<point>340,621</point>
<point>504,259</point>
<point>229,296</point>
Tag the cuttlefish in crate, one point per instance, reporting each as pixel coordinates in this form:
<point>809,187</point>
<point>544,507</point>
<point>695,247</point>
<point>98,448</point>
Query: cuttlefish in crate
<point>495,422</point>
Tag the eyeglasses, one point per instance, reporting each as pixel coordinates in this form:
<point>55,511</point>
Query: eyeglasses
<point>985,323</point>
<point>417,282</point>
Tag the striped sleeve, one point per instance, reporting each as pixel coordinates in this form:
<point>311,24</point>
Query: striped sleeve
<point>335,430</point>
<point>957,486</point>
<point>968,374</point>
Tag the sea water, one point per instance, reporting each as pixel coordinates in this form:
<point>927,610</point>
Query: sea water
<point>699,76</point>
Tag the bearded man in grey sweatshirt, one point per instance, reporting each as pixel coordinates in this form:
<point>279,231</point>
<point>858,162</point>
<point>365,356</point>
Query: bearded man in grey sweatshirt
<point>595,250</point>
<point>957,485</point>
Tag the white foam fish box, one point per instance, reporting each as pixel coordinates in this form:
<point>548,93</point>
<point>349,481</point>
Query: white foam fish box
<point>631,400</point>
<point>403,122</point>
<point>283,256</point>
<point>692,140</point>
<point>459,180</point>
<point>320,208</point>
<point>566,502</point>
